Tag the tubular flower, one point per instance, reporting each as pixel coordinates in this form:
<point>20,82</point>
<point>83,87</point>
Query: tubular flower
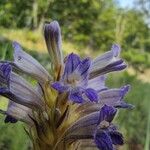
<point>70,107</point>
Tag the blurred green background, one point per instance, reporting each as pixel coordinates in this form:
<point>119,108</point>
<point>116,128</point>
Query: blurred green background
<point>89,27</point>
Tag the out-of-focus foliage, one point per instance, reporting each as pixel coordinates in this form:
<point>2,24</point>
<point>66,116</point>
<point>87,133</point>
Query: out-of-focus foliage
<point>93,23</point>
<point>89,22</point>
<point>144,6</point>
<point>136,34</point>
<point>13,137</point>
<point>15,13</point>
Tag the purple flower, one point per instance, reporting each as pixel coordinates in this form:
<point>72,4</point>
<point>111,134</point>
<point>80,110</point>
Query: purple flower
<point>15,88</point>
<point>103,141</point>
<point>106,139</point>
<point>74,80</point>
<point>108,62</point>
<point>106,136</point>
<point>115,97</point>
<point>97,126</point>
<point>107,113</point>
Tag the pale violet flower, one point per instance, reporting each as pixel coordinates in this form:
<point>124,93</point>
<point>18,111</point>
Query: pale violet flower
<point>70,107</point>
<point>75,80</point>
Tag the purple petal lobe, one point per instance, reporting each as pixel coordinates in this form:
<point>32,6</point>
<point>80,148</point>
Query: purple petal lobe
<point>116,137</point>
<point>116,50</point>
<point>3,90</point>
<point>10,119</point>
<point>84,66</point>
<point>76,96</point>
<point>82,72</point>
<point>72,62</point>
<point>107,113</point>
<point>125,105</point>
<point>91,94</point>
<point>103,141</point>
<point>5,70</point>
<point>124,90</point>
<point>59,87</point>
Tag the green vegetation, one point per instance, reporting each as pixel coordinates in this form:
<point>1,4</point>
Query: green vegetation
<point>13,137</point>
<point>89,27</point>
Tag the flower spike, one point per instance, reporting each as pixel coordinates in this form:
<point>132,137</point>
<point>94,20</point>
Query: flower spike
<point>71,108</point>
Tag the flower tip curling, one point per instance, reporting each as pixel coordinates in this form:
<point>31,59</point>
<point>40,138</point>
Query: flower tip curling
<point>16,46</point>
<point>124,90</point>
<point>116,50</point>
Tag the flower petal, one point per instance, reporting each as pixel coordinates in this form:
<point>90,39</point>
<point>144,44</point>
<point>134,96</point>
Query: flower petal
<point>87,108</point>
<point>117,65</point>
<point>21,92</point>
<point>103,141</point>
<point>116,137</point>
<point>106,58</point>
<point>108,62</point>
<point>71,64</point>
<point>116,50</point>
<point>113,97</point>
<point>84,122</point>
<point>83,128</point>
<point>29,65</point>
<point>102,61</point>
<point>75,95</point>
<point>91,94</point>
<point>97,83</point>
<point>82,72</point>
<point>59,87</point>
<point>84,66</point>
<point>5,70</point>
<point>125,105</point>
<point>53,41</point>
<point>124,90</point>
<point>17,112</point>
<point>107,113</point>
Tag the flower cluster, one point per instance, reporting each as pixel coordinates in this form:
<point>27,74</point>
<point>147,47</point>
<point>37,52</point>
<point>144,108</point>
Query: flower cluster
<point>70,107</point>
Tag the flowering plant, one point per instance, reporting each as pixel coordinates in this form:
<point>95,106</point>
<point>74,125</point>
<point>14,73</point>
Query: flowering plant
<point>70,107</point>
